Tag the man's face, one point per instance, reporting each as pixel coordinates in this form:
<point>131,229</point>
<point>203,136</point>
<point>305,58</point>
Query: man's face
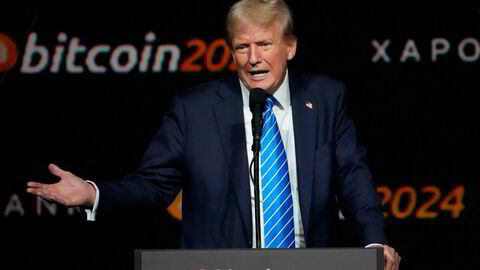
<point>261,55</point>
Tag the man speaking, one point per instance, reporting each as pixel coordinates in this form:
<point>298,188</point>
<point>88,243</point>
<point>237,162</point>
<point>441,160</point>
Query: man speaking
<point>309,161</point>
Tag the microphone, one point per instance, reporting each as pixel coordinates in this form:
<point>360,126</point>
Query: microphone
<point>257,100</point>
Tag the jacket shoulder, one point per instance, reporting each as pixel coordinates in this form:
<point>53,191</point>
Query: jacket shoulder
<point>200,91</point>
<point>318,84</point>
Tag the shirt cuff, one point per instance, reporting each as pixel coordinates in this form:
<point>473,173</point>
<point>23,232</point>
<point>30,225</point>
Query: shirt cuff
<point>91,213</point>
<point>374,245</point>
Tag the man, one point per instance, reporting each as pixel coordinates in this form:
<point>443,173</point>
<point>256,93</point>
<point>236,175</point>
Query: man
<point>203,147</point>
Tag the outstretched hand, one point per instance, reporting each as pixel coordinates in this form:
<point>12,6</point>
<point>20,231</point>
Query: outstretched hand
<point>71,190</point>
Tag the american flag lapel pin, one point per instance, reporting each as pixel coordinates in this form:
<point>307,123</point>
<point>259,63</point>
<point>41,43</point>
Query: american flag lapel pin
<point>309,105</point>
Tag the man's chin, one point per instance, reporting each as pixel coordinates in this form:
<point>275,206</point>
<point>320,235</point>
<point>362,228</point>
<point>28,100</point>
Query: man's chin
<point>259,84</point>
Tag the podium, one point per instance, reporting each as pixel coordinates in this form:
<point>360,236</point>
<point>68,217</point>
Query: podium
<point>261,259</point>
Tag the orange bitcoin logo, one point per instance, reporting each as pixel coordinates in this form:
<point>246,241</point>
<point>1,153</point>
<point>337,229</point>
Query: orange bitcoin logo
<point>8,53</point>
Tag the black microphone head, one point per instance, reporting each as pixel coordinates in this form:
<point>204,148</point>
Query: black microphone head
<point>258,96</point>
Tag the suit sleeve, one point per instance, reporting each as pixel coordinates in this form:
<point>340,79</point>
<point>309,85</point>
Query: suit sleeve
<point>356,194</point>
<point>159,177</point>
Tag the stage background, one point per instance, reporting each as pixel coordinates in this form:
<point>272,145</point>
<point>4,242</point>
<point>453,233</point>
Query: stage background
<point>412,76</point>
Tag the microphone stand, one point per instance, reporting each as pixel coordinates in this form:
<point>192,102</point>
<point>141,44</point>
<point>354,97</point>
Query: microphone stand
<point>256,182</point>
<point>257,101</point>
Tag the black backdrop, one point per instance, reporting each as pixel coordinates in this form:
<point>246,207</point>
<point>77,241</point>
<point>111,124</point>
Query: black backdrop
<point>411,72</point>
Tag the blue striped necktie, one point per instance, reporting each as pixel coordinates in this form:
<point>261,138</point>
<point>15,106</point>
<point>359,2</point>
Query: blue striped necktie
<point>278,222</point>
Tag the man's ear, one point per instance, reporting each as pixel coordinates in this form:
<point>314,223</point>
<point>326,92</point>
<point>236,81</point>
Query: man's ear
<point>291,48</point>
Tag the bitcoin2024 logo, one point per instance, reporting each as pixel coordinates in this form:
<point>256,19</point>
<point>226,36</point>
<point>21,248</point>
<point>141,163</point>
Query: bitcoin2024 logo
<point>8,53</point>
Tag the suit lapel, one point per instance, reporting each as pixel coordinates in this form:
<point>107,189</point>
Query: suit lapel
<point>304,110</point>
<point>231,127</point>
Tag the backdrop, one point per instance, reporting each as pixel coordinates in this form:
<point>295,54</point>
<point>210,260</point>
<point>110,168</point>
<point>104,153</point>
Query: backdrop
<point>86,90</point>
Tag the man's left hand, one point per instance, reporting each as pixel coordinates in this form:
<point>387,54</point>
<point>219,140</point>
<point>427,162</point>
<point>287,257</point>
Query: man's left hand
<point>392,259</point>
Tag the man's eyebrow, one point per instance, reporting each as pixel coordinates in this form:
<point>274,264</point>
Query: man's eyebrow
<point>240,44</point>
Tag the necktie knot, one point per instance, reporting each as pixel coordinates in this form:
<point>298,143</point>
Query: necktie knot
<point>270,102</point>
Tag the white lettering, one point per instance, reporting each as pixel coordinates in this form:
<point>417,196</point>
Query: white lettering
<point>174,58</point>
<point>439,46</point>
<point>73,49</point>
<point>72,210</point>
<point>146,53</point>
<point>381,51</point>
<point>30,50</point>
<point>14,205</point>
<point>51,207</point>
<point>410,50</point>
<point>92,55</point>
<point>131,53</point>
<point>57,57</point>
<point>476,50</point>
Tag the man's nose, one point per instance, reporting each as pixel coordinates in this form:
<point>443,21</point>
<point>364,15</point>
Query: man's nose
<point>254,56</point>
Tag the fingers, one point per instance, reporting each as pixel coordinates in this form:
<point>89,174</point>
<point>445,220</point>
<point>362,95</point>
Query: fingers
<point>42,192</point>
<point>392,259</point>
<point>389,262</point>
<point>71,190</point>
<point>35,185</point>
<point>39,189</point>
<point>46,192</point>
<point>398,260</point>
<point>36,188</point>
<point>51,192</point>
<point>55,170</point>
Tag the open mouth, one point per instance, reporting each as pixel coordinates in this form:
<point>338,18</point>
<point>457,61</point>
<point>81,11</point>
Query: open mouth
<point>258,74</point>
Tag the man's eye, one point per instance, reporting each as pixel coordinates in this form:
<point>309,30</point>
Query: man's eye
<point>241,48</point>
<point>265,46</point>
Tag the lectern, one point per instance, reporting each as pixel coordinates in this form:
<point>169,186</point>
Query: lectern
<point>261,259</point>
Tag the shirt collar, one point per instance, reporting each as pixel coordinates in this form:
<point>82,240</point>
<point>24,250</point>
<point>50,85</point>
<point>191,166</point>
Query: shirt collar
<point>282,95</point>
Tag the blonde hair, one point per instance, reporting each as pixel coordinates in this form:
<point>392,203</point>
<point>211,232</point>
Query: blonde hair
<point>260,12</point>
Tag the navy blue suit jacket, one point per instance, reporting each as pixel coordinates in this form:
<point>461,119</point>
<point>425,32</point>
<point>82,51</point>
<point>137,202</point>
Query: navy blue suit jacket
<point>201,147</point>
